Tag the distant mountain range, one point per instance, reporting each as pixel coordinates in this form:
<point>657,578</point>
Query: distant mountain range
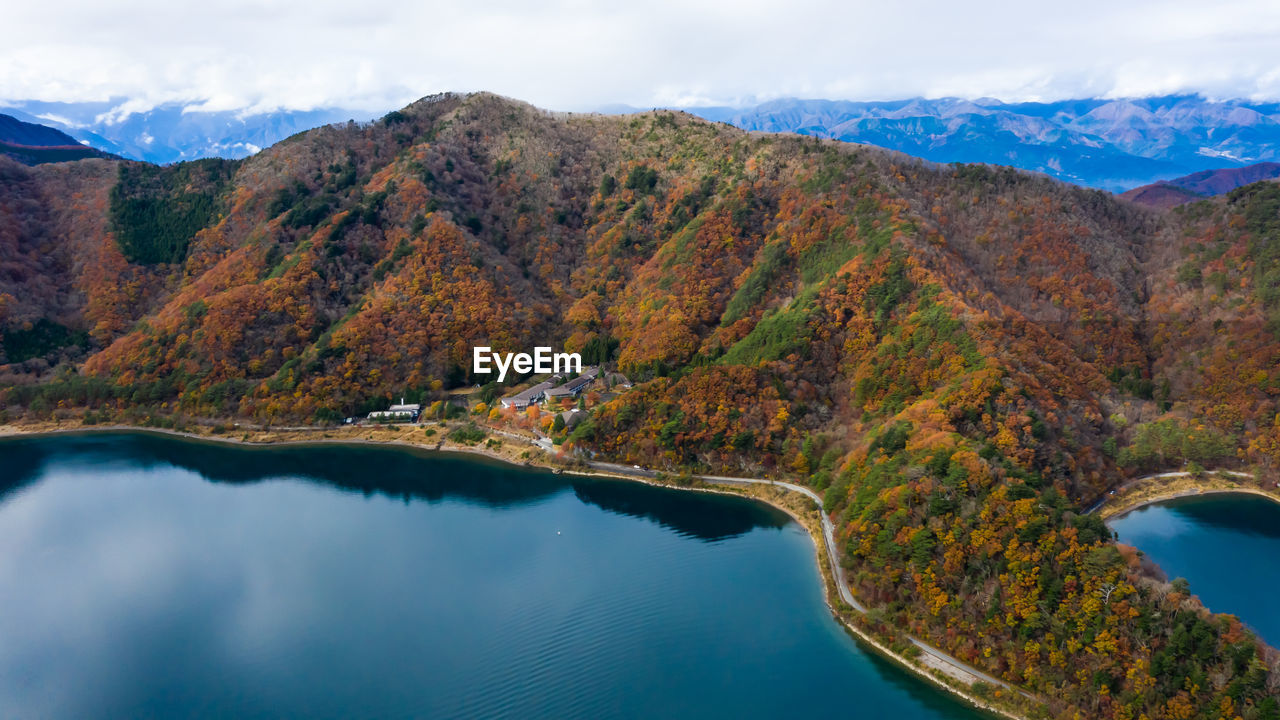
<point>173,132</point>
<point>1197,186</point>
<point>32,144</point>
<point>1109,144</point>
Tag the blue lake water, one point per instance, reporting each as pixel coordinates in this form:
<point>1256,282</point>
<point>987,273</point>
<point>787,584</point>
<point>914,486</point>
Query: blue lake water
<point>143,576</point>
<point>1226,545</point>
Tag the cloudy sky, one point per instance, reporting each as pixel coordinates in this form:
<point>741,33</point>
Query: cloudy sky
<point>579,54</point>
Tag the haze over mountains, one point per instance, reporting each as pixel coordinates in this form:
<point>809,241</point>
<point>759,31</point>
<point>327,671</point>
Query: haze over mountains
<point>174,132</point>
<point>1109,144</point>
<point>32,144</point>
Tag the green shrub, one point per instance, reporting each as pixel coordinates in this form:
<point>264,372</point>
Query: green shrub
<point>764,275</point>
<point>156,211</point>
<point>1171,442</point>
<point>642,179</point>
<point>1189,274</point>
<point>884,296</point>
<point>776,335</point>
<point>44,337</point>
<point>893,439</point>
<point>309,211</point>
<point>468,434</point>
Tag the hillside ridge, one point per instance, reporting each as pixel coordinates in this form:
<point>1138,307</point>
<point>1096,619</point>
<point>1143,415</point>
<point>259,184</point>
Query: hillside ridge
<point>1206,183</point>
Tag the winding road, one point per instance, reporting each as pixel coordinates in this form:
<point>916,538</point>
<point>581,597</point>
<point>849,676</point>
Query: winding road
<point>936,658</point>
<point>931,656</point>
<point>1176,473</point>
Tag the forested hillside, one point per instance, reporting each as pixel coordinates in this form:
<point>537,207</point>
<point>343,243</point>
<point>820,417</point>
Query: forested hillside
<point>959,357</point>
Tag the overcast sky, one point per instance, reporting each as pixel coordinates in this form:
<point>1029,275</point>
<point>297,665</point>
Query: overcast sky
<point>577,54</point>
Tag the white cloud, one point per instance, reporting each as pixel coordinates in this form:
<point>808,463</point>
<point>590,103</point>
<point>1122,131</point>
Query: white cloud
<point>575,54</point>
<point>59,120</point>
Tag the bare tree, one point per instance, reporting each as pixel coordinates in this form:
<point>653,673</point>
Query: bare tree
<point>1105,591</point>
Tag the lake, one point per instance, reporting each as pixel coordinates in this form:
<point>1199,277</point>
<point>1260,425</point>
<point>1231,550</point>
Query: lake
<point>147,576</point>
<point>1226,545</point>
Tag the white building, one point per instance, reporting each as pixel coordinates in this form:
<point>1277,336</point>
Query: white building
<point>404,412</point>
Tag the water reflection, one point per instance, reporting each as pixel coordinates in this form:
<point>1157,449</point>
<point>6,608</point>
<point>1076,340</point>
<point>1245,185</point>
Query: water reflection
<point>19,471</point>
<point>396,472</point>
<point>1237,513</point>
<point>132,588</point>
<point>701,520</point>
<point>1225,544</point>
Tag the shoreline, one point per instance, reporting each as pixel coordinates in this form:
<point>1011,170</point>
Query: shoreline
<point>1158,499</point>
<point>936,672</point>
<point>1155,489</point>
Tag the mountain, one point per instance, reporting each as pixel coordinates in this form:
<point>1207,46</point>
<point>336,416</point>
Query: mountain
<point>17,132</point>
<point>1109,144</point>
<point>1160,195</point>
<point>958,358</point>
<point>173,132</point>
<point>32,144</point>
<point>1206,183</point>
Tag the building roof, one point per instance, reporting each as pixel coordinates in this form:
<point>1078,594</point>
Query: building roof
<point>529,396</point>
<point>577,383</point>
<point>573,386</point>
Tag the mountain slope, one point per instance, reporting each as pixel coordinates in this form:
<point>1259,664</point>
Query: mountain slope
<point>957,357</point>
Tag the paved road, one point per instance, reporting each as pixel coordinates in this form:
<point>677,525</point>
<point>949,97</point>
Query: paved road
<point>828,536</point>
<point>1177,473</point>
<point>828,532</point>
<point>539,441</point>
